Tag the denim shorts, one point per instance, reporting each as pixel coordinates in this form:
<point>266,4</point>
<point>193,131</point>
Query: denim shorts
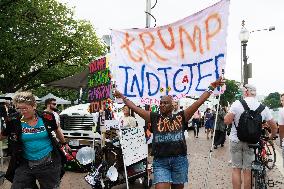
<point>171,170</point>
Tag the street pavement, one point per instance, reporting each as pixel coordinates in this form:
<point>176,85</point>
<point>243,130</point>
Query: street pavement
<point>215,170</point>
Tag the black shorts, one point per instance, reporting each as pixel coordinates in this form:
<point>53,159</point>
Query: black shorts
<point>48,176</point>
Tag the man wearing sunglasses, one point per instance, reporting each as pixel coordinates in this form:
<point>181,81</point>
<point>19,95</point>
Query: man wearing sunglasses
<point>51,106</point>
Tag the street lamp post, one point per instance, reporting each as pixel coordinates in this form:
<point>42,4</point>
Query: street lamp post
<point>244,36</point>
<point>246,69</point>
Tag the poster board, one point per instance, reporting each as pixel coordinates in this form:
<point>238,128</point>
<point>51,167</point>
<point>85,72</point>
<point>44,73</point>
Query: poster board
<point>133,145</point>
<point>99,84</point>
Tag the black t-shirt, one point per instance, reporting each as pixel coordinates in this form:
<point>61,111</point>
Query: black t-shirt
<point>168,135</point>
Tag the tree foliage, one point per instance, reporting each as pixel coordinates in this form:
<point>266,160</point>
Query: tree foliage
<point>39,40</point>
<point>230,94</point>
<point>272,100</point>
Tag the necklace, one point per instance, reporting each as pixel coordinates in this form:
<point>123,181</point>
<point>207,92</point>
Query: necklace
<point>35,119</point>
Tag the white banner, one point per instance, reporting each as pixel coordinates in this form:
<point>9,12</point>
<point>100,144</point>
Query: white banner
<point>179,59</point>
<point>133,145</point>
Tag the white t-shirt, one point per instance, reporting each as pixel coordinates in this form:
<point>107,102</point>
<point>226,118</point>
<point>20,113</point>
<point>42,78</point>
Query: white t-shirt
<point>237,109</point>
<point>281,116</point>
<point>57,118</point>
<point>128,121</point>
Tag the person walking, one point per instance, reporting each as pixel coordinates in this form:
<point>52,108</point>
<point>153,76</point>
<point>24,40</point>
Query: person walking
<point>281,124</point>
<point>242,156</point>
<point>170,164</point>
<point>176,109</point>
<point>51,107</point>
<point>220,131</point>
<point>196,122</point>
<point>35,152</point>
<point>208,122</point>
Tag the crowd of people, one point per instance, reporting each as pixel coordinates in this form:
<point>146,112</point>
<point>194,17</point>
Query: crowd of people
<point>35,156</point>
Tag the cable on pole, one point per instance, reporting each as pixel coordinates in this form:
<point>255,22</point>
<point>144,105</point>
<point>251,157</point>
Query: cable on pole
<point>152,17</point>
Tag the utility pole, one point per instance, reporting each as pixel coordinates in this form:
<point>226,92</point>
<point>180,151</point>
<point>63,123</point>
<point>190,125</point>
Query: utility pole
<point>148,13</point>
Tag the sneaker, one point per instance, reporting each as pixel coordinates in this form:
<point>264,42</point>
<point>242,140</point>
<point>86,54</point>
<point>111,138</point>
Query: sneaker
<point>215,147</point>
<point>196,137</point>
<point>222,145</point>
<point>211,136</point>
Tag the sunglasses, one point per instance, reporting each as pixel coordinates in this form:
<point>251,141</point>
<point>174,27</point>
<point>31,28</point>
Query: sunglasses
<point>54,104</point>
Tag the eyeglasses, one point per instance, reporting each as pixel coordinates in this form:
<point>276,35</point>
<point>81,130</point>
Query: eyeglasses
<point>23,109</point>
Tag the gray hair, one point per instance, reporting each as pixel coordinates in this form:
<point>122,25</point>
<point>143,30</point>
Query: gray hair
<point>24,97</point>
<point>250,88</point>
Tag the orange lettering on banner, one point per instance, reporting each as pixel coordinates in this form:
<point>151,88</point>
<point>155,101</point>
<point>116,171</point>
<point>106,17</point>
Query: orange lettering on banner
<point>149,43</point>
<point>189,38</point>
<point>210,35</point>
<point>150,46</point>
<point>128,41</point>
<point>172,45</point>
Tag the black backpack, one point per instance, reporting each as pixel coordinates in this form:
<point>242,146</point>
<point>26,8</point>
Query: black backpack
<point>250,124</point>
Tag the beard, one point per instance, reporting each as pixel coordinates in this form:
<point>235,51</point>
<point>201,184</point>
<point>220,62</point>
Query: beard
<point>54,109</point>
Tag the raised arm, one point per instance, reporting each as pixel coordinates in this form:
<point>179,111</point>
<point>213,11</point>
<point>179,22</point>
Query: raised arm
<point>141,112</point>
<point>188,112</point>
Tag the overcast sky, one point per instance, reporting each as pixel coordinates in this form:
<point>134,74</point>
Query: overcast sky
<point>265,49</point>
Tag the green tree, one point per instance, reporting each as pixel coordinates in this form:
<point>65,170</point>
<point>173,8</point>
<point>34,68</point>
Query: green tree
<point>39,40</point>
<point>229,96</point>
<point>272,100</point>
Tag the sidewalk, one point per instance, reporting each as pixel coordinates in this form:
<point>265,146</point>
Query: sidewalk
<point>219,173</point>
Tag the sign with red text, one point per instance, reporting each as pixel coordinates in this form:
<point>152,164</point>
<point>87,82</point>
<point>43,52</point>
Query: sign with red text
<point>179,59</point>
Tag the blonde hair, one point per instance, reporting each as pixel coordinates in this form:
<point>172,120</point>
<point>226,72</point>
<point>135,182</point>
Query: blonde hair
<point>24,97</point>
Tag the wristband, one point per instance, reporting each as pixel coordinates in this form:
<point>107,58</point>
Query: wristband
<point>210,89</point>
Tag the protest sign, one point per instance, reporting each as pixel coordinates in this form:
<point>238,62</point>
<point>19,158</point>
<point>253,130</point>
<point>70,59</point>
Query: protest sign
<point>99,84</point>
<point>179,59</point>
<point>133,145</point>
<point>111,124</point>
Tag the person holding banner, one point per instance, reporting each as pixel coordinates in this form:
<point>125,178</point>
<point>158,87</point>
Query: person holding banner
<point>169,148</point>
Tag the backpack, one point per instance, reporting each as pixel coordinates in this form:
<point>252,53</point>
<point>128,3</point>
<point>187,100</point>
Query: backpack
<point>250,124</point>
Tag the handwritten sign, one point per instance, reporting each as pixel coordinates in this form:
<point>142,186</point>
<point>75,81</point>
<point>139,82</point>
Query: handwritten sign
<point>178,59</point>
<point>111,124</point>
<point>133,145</point>
<point>99,84</point>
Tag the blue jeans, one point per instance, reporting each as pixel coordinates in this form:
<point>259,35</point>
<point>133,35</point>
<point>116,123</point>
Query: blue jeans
<point>171,170</point>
